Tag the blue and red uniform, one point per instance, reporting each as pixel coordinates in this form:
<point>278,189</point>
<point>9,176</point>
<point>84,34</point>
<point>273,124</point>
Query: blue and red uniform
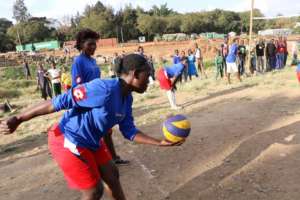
<point>166,73</point>
<point>298,72</point>
<point>84,69</point>
<point>75,143</point>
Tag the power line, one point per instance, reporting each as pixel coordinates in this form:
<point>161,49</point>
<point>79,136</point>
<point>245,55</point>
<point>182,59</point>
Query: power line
<point>276,17</point>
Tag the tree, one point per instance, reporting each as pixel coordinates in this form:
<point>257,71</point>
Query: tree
<point>151,25</point>
<point>129,23</point>
<point>163,10</point>
<point>20,12</point>
<point>34,30</point>
<point>6,43</point>
<point>101,22</point>
<point>257,24</point>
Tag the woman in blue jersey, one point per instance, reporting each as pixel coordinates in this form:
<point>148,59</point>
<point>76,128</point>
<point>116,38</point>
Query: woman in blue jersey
<point>92,109</point>
<point>168,77</point>
<point>85,69</point>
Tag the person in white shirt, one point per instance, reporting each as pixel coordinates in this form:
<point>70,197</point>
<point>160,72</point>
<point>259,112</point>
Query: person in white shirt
<point>54,74</point>
<point>199,58</point>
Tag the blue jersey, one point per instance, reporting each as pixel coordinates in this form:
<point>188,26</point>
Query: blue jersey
<point>175,70</point>
<point>84,69</point>
<point>176,59</point>
<point>93,109</point>
<point>231,58</point>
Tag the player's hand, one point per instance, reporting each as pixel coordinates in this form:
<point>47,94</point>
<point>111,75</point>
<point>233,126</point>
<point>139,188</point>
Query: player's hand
<point>9,126</point>
<point>166,143</point>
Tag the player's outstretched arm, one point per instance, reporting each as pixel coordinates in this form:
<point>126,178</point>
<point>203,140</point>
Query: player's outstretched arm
<point>145,139</point>
<point>9,125</point>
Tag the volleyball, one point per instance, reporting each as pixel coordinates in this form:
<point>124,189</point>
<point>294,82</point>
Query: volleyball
<point>176,128</point>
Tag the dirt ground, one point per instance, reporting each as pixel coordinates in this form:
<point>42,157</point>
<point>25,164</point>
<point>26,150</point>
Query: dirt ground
<point>243,146</point>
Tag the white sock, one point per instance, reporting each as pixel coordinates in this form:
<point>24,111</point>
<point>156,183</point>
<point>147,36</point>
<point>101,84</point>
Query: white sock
<point>170,95</point>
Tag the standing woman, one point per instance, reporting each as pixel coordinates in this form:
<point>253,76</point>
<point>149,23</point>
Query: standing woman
<point>26,69</point>
<point>192,71</point>
<point>43,83</point>
<point>92,109</point>
<point>199,58</point>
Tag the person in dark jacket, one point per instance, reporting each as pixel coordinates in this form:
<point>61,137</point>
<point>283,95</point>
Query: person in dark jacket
<point>271,55</point>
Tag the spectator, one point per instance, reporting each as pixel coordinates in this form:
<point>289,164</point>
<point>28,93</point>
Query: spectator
<point>224,52</point>
<point>140,51</point>
<point>26,70</point>
<point>280,48</point>
<point>192,71</point>
<point>185,70</point>
<point>241,57</point>
<point>271,55</point>
<point>294,54</point>
<point>199,58</point>
<point>252,62</point>
<point>219,64</point>
<point>66,79</point>
<point>260,53</point>
<point>176,57</point>
<point>55,75</point>
<point>152,69</point>
<point>43,82</point>
<point>113,72</point>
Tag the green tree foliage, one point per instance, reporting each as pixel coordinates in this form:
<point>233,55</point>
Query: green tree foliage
<point>257,24</point>
<point>99,20</point>
<point>129,23</point>
<point>20,12</point>
<point>34,30</point>
<point>151,25</point>
<point>6,43</point>
<point>162,10</point>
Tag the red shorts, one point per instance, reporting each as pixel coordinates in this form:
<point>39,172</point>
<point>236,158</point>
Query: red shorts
<point>164,81</point>
<point>298,76</point>
<point>81,172</point>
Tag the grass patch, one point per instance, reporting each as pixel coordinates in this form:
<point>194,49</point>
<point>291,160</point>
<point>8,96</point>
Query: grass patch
<point>9,93</point>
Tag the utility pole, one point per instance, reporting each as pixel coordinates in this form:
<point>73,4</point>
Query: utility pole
<point>122,34</point>
<point>250,34</point>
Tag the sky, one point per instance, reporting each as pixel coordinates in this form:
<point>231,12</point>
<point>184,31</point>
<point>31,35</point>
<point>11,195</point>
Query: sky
<point>59,8</point>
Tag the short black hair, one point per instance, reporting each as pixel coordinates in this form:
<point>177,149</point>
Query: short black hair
<point>131,62</point>
<point>83,36</point>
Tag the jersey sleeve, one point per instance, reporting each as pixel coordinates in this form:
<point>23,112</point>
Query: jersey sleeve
<point>89,95</point>
<point>179,69</point>
<point>127,126</point>
<point>63,101</point>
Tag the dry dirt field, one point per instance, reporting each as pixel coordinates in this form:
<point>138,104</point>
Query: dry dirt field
<point>243,146</point>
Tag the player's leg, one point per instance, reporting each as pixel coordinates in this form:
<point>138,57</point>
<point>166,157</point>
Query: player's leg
<point>109,172</point>
<point>94,193</point>
<point>80,168</point>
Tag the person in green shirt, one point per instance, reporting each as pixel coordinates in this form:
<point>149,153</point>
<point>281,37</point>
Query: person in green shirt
<point>219,64</point>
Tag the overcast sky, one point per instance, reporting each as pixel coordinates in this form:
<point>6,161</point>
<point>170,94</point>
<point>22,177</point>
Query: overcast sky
<point>59,8</point>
